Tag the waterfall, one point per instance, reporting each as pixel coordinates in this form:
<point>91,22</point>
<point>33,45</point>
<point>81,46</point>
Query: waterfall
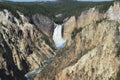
<point>57,37</point>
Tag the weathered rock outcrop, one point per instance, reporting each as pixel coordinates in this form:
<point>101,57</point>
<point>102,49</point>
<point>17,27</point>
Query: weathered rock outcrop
<point>87,17</point>
<point>94,51</point>
<point>113,12</point>
<point>44,24</point>
<point>23,46</point>
<point>68,27</point>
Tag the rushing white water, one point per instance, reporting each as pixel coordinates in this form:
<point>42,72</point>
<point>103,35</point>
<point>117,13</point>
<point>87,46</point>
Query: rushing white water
<point>57,37</point>
<point>30,75</point>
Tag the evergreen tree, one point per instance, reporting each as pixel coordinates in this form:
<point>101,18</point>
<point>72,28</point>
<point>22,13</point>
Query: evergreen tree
<point>66,0</point>
<point>4,0</point>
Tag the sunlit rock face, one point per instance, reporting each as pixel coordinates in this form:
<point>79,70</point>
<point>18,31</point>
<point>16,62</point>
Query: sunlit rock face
<point>87,17</point>
<point>69,26</point>
<point>23,46</point>
<point>57,37</point>
<point>113,12</point>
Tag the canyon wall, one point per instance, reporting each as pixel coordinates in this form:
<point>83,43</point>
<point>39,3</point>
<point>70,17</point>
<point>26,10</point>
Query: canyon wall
<point>91,50</point>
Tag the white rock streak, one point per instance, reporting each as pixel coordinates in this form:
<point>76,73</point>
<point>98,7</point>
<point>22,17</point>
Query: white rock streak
<point>57,37</point>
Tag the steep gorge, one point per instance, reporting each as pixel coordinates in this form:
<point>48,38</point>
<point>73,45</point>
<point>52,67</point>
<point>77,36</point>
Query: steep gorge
<point>91,52</point>
<point>89,46</point>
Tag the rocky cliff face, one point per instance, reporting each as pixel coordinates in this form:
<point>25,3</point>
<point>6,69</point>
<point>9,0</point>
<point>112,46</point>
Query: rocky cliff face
<point>23,46</point>
<point>92,50</point>
<point>93,53</point>
<point>44,24</point>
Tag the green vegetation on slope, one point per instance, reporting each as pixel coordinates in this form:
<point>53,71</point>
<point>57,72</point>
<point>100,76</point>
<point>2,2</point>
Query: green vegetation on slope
<point>51,9</point>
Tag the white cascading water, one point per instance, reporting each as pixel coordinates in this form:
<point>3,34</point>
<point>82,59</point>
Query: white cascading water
<point>57,37</point>
<point>30,75</point>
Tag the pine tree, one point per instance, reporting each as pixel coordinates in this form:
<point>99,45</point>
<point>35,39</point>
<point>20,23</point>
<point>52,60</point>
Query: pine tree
<point>66,0</point>
<point>4,0</point>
